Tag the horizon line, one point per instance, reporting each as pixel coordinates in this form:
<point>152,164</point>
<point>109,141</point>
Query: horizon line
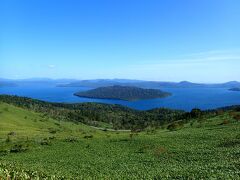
<point>76,79</point>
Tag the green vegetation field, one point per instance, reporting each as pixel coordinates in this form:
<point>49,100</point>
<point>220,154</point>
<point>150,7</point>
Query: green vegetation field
<point>33,145</point>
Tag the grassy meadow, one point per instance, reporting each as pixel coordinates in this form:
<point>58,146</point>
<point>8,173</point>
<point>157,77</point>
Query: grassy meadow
<point>34,146</point>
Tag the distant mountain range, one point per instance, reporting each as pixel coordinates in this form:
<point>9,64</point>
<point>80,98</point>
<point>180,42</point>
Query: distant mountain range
<point>7,84</point>
<point>146,84</point>
<point>111,82</point>
<point>34,82</point>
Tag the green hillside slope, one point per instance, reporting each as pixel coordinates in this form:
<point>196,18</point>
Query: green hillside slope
<point>25,123</point>
<point>97,114</point>
<point>35,146</point>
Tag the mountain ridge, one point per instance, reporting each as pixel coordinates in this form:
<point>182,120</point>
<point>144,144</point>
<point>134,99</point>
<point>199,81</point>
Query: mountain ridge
<point>147,84</point>
<point>95,83</point>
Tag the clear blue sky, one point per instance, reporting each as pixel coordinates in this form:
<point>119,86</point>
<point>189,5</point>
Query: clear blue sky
<point>166,40</point>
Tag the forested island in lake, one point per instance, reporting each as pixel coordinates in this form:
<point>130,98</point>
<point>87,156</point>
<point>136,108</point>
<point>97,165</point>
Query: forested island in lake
<point>234,89</point>
<point>127,93</point>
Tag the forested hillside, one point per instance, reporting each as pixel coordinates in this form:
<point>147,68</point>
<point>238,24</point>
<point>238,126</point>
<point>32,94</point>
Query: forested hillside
<point>36,146</point>
<point>110,116</point>
<point>115,116</point>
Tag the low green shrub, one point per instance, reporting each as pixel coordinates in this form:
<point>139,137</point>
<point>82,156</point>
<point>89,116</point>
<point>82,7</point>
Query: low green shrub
<point>18,148</point>
<point>88,136</point>
<point>45,141</point>
<point>71,139</point>
<point>150,130</point>
<point>8,139</point>
<point>159,151</point>
<point>175,126</point>
<point>237,117</point>
<point>12,133</point>
<point>225,122</point>
<point>52,130</point>
<point>230,143</point>
<point>52,137</point>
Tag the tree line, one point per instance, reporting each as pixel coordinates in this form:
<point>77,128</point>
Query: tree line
<point>118,116</point>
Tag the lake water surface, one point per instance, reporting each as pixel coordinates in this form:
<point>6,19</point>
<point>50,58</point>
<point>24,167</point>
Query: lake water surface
<point>182,98</point>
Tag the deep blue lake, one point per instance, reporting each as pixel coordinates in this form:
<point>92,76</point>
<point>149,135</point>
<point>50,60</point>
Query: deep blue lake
<point>182,98</point>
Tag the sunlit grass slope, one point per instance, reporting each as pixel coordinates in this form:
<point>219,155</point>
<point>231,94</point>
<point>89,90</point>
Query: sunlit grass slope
<point>27,124</point>
<point>203,149</point>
